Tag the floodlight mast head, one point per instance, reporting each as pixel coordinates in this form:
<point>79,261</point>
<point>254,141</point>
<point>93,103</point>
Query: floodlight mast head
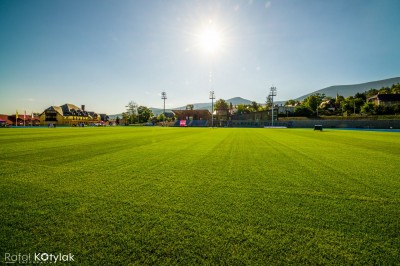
<point>212,95</point>
<point>272,91</point>
<point>163,95</point>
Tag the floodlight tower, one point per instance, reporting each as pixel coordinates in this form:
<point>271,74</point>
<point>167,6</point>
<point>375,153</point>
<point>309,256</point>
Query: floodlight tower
<point>164,97</point>
<point>212,97</point>
<point>272,93</point>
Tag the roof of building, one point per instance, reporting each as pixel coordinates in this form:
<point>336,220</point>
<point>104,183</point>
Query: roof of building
<point>389,97</point>
<point>169,114</point>
<point>4,118</point>
<point>67,108</point>
<point>193,114</point>
<point>73,110</point>
<point>202,112</point>
<point>55,108</point>
<point>386,97</point>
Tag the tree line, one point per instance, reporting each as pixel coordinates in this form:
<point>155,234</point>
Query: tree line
<point>135,114</point>
<point>318,104</point>
<point>314,105</point>
<point>221,104</point>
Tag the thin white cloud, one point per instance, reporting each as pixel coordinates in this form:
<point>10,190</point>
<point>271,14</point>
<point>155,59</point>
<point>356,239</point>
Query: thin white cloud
<point>267,4</point>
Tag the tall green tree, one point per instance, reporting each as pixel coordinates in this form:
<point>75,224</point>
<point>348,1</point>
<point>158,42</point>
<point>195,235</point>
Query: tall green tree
<point>385,90</point>
<point>371,93</point>
<point>367,108</point>
<point>221,104</point>
<point>126,117</point>
<point>357,104</point>
<point>161,117</point>
<point>144,114</point>
<point>313,101</point>
<point>131,112</point>
<point>291,102</point>
<point>131,108</point>
<point>360,96</point>
<point>395,88</point>
<point>242,109</point>
<point>255,106</point>
<point>268,102</point>
<point>302,110</point>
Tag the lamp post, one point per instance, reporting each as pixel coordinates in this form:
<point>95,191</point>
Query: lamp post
<point>212,97</point>
<point>272,93</point>
<point>164,97</point>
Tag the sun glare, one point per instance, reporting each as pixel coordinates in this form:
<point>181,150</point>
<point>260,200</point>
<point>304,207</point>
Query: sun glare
<point>210,39</point>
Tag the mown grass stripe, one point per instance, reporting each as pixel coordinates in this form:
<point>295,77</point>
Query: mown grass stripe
<point>201,196</point>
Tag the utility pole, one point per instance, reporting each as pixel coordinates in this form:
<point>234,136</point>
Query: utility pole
<point>212,97</point>
<point>164,97</point>
<point>272,93</point>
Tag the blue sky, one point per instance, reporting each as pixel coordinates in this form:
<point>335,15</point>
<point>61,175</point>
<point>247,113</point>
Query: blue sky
<point>105,53</point>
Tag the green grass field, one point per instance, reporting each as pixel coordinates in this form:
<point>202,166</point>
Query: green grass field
<point>118,196</point>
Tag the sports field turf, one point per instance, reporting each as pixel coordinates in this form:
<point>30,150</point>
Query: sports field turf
<point>118,196</point>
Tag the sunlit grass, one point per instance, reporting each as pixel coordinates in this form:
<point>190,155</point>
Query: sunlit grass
<point>201,196</point>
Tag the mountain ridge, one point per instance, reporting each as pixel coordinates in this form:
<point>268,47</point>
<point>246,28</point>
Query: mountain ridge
<point>351,90</point>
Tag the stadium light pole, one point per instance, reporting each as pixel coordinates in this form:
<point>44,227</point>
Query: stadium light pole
<point>212,97</point>
<point>164,97</point>
<point>272,93</point>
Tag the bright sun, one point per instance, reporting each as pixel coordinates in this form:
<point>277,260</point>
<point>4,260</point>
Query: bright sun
<point>210,39</point>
